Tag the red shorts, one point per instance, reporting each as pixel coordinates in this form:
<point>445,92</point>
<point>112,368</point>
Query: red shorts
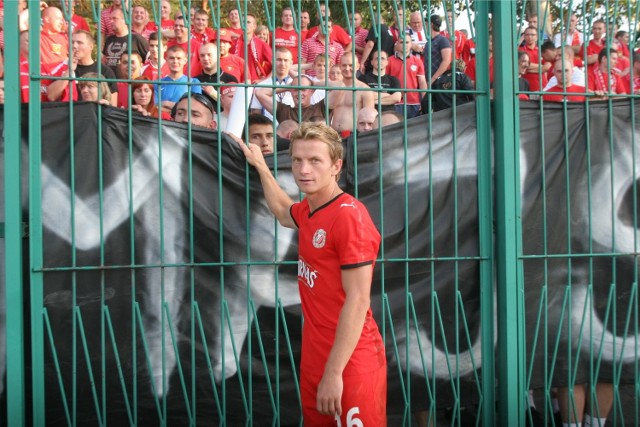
<point>364,398</point>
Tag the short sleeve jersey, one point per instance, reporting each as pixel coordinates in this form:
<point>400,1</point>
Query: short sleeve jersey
<point>337,236</point>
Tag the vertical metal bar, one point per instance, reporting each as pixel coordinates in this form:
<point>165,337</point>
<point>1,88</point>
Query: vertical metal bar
<point>510,319</point>
<point>13,224</point>
<point>485,214</point>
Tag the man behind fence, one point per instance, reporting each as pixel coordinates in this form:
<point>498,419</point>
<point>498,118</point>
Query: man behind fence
<point>343,369</point>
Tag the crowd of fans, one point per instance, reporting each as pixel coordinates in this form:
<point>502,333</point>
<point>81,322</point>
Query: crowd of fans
<point>315,75</point>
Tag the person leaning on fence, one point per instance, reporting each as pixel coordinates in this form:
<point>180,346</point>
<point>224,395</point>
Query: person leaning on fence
<point>202,112</point>
<point>577,72</point>
<point>94,91</point>
<point>563,72</point>
<point>343,373</point>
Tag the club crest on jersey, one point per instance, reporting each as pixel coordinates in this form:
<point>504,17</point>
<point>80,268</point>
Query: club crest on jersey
<point>319,238</point>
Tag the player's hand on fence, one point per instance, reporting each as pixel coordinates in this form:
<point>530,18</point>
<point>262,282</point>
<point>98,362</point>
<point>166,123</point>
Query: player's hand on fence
<point>252,152</point>
<point>329,395</point>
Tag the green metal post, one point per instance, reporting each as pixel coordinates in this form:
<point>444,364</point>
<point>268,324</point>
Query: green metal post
<point>510,350</point>
<point>13,217</point>
<point>485,216</point>
<point>35,220</point>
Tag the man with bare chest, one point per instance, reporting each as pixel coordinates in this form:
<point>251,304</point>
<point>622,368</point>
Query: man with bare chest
<point>352,101</point>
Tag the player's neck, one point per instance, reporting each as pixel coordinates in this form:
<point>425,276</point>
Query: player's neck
<point>323,196</point>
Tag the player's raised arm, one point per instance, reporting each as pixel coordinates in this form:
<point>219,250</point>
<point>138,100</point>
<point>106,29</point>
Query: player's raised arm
<point>278,201</point>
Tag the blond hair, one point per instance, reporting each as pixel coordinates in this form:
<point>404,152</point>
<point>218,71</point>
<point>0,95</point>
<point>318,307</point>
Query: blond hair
<point>321,132</point>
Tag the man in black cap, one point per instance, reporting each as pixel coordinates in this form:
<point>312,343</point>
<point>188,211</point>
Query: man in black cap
<point>439,47</point>
<point>201,112</point>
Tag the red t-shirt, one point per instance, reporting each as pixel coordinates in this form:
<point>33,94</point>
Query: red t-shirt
<point>552,95</point>
<point>415,68</point>
<point>288,39</point>
<point>459,42</point>
<point>150,71</point>
<point>313,47</point>
<point>471,69</point>
<point>56,70</point>
<point>209,36</point>
<point>54,48</point>
<point>234,65</point>
<point>338,236</point>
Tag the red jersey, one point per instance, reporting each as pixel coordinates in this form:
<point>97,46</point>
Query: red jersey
<point>150,71</point>
<point>57,70</point>
<point>415,68</point>
<point>288,39</point>
<point>54,48</point>
<point>459,42</point>
<point>208,36</point>
<point>555,94</point>
<point>232,64</point>
<point>360,40</point>
<point>338,236</point>
<point>471,69</point>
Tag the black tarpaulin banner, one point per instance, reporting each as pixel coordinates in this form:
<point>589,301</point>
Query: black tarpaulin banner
<point>162,260</point>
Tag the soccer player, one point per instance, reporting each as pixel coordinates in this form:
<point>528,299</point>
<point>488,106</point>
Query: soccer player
<point>343,368</point>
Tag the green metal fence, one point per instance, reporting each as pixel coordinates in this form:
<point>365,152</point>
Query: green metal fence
<point>508,273</point>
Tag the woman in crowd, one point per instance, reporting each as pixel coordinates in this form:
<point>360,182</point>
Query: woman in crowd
<point>143,99</point>
<point>263,33</point>
<point>94,91</point>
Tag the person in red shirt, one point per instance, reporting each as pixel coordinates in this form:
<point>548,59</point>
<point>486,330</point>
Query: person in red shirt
<point>230,63</point>
<point>258,60</point>
<point>287,36</point>
<point>77,21</point>
<point>54,44</point>
<point>186,42</point>
<point>201,30</point>
<point>470,71</point>
<point>234,30</point>
<point>140,22</point>
<point>305,20</point>
<point>415,76</point>
<point>155,60</point>
<point>129,68</point>
<point>597,43</point>
<point>602,79</point>
<point>359,33</point>
<point>536,74</point>
<point>563,70</point>
<point>459,40</point>
<point>634,75</point>
<point>343,374</point>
